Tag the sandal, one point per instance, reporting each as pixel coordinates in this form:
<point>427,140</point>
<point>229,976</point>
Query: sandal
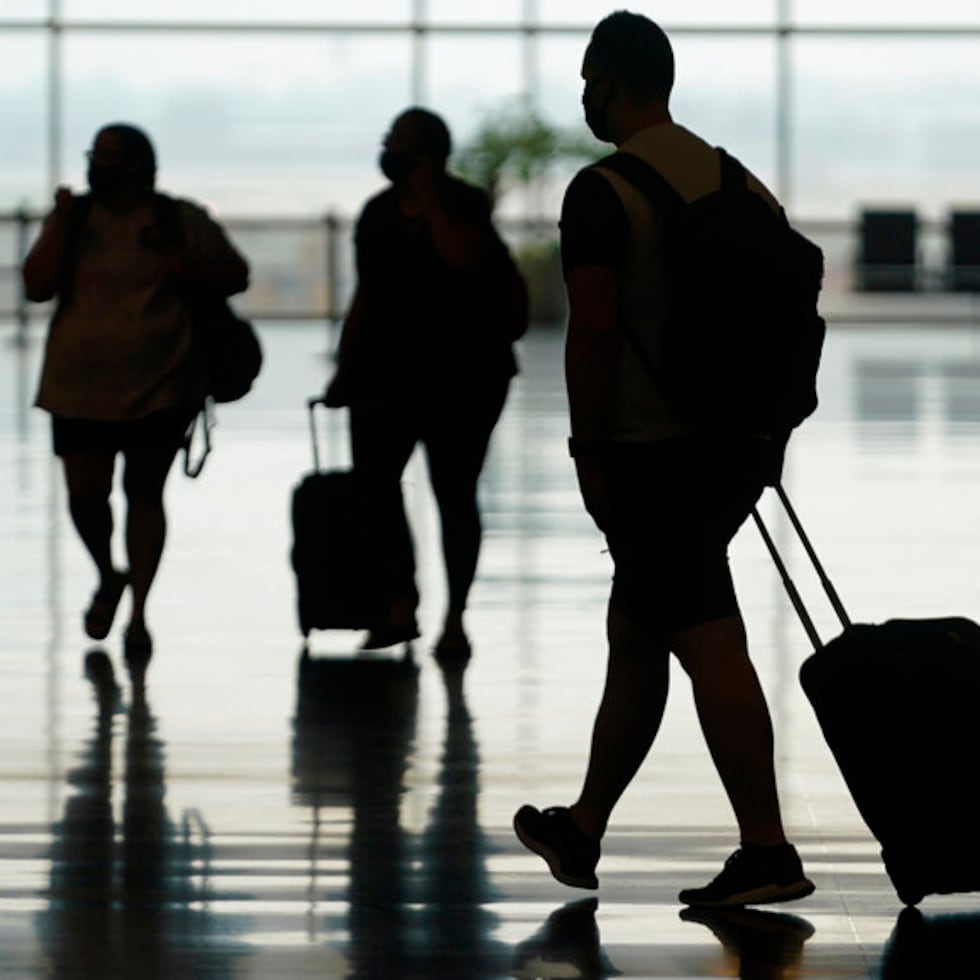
<point>137,645</point>
<point>105,602</point>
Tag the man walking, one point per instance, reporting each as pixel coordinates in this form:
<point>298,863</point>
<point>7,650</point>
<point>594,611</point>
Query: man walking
<point>668,496</point>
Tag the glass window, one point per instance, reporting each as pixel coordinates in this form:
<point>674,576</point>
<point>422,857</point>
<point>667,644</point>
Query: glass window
<point>559,78</point>
<point>668,12</point>
<point>23,120</point>
<point>466,12</point>
<point>24,9</point>
<point>254,124</point>
<point>225,11</point>
<point>885,121</point>
<point>468,78</point>
<point>559,101</point>
<point>725,91</point>
<point>887,13</point>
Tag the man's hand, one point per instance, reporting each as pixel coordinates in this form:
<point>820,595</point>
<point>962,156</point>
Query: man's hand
<point>64,202</point>
<point>592,483</point>
<point>337,393</point>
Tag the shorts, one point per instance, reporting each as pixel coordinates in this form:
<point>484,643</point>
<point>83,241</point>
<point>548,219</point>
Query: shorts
<point>673,508</point>
<point>164,430</point>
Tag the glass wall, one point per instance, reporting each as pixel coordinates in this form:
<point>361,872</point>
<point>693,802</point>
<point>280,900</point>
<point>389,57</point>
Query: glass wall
<point>252,123</point>
<point>277,108</point>
<point>23,118</point>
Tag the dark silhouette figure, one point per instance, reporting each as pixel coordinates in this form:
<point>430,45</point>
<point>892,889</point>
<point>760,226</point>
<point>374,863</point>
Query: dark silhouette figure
<point>416,905</point>
<point>568,941</point>
<point>453,885</point>
<point>123,892</point>
<point>121,374</point>
<point>426,357</point>
<point>354,732</point>
<point>939,945</point>
<point>668,497</point>
<point>763,945</point>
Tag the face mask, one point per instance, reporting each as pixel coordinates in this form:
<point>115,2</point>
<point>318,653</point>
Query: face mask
<point>397,166</point>
<point>595,115</point>
<point>105,181</point>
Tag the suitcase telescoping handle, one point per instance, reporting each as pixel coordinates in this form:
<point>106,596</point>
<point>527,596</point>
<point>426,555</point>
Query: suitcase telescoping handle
<point>311,404</point>
<point>790,585</point>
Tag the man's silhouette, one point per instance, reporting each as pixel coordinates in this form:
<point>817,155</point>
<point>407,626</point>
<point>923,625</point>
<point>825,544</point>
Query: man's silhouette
<point>669,497</point>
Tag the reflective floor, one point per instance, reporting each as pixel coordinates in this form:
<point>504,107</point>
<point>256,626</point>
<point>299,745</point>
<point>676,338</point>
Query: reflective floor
<point>253,813</point>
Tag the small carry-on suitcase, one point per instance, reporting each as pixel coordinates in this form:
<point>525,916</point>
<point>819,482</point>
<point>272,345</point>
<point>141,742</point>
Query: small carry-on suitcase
<point>331,553</point>
<point>899,705</point>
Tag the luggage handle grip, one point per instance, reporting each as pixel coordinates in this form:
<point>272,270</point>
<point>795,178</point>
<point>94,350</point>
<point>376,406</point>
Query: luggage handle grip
<point>828,586</point>
<point>790,586</point>
<point>311,404</point>
<point>788,583</point>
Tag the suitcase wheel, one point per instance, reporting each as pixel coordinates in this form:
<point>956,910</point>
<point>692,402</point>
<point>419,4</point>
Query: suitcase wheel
<point>910,896</point>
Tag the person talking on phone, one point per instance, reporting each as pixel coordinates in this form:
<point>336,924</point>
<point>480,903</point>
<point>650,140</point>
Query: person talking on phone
<point>120,374</point>
<point>425,356</point>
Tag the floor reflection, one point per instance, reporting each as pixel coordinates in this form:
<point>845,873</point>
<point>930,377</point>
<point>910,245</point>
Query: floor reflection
<point>415,905</point>
<point>453,883</point>
<point>924,945</point>
<point>353,736</point>
<point>758,945</point>
<point>567,945</point>
<point>127,896</point>
<point>256,817</point>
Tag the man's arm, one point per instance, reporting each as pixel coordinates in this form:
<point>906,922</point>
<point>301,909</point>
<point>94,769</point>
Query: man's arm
<point>338,392</point>
<point>592,351</point>
<point>594,228</point>
<point>462,242</point>
<point>211,262</point>
<point>591,359</point>
<point>43,268</point>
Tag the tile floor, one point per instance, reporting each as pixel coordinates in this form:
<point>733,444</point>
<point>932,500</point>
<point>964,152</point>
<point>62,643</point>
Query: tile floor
<point>253,813</point>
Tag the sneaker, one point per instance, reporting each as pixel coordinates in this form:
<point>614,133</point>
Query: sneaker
<point>567,945</point>
<point>754,876</point>
<point>571,855</point>
<point>765,943</point>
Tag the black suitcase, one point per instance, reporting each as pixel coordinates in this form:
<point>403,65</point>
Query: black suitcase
<point>899,705</point>
<point>336,583</point>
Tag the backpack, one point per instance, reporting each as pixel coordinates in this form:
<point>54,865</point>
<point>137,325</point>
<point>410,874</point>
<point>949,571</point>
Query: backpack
<point>742,340</point>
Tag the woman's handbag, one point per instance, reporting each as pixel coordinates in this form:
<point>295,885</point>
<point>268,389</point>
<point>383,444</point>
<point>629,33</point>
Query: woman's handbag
<point>229,348</point>
<point>231,355</point>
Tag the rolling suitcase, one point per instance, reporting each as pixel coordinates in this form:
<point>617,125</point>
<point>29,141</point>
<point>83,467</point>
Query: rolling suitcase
<point>899,705</point>
<point>336,583</point>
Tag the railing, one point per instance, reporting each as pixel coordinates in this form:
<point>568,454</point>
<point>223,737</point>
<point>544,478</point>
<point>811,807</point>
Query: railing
<point>303,269</point>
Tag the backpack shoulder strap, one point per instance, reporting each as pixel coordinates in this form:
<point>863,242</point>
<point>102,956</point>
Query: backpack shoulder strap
<point>659,192</point>
<point>733,175</point>
<point>644,177</point>
<point>169,218</point>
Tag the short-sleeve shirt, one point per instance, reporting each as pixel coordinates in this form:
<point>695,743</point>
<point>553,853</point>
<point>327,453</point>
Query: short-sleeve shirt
<point>607,222</point>
<point>594,226</point>
<point>422,316</point>
<point>119,345</point>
